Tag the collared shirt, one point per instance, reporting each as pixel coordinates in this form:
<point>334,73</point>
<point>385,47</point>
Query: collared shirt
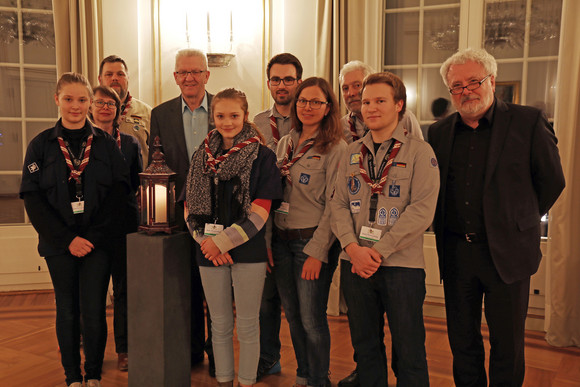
<point>466,175</point>
<point>137,122</point>
<point>262,121</point>
<point>405,208</point>
<point>409,122</point>
<point>195,125</point>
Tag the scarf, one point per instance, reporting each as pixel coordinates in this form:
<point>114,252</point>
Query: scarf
<point>205,172</point>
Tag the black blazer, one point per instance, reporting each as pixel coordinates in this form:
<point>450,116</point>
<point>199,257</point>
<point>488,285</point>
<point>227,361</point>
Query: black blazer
<point>523,179</point>
<point>167,123</point>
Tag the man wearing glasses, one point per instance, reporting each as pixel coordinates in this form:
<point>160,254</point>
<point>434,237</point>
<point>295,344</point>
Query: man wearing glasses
<point>500,172</point>
<point>284,74</point>
<point>135,115</point>
<point>182,124</point>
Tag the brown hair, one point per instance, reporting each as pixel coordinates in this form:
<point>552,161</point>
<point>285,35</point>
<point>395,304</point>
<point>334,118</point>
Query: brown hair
<point>330,132</point>
<point>69,78</point>
<point>239,96</point>
<point>112,59</point>
<point>399,90</point>
<point>111,93</point>
<point>285,59</point>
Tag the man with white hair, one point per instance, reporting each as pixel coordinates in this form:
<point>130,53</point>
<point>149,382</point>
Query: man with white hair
<point>500,172</point>
<point>182,124</point>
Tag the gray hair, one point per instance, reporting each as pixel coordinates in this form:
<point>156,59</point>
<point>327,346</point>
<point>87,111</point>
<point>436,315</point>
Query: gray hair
<point>188,52</point>
<point>354,65</point>
<point>477,55</point>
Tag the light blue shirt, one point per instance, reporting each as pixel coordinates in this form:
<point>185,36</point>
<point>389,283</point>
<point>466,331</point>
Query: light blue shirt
<point>195,125</point>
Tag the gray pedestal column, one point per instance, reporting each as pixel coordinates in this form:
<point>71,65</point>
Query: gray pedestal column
<point>159,309</point>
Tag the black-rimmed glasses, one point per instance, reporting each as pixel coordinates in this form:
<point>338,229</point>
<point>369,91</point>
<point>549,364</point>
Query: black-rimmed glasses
<point>194,73</point>
<point>288,81</point>
<point>301,103</point>
<point>101,104</point>
<point>470,86</point>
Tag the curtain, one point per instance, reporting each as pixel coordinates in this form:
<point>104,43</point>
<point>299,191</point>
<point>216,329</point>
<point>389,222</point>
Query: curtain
<point>563,296</point>
<point>78,38</point>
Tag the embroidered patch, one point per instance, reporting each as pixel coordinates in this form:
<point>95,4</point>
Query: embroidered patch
<point>33,168</point>
<point>304,178</point>
<point>400,165</point>
<point>434,162</point>
<point>393,215</point>
<point>394,191</point>
<point>315,157</point>
<point>354,158</point>
<point>382,216</point>
<point>353,185</point>
<point>355,206</point>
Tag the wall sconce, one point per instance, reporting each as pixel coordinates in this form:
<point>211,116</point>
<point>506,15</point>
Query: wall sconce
<point>157,195</point>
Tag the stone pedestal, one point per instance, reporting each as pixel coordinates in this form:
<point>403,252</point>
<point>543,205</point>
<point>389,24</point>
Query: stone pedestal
<point>159,309</point>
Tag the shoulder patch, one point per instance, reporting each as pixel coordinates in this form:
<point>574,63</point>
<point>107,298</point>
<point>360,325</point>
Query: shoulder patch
<point>33,167</point>
<point>434,163</point>
<point>354,158</point>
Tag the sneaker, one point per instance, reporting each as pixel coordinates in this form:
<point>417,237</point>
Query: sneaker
<point>93,383</point>
<point>267,368</point>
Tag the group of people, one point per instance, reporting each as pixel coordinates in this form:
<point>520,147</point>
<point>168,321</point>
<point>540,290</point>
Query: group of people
<point>274,204</point>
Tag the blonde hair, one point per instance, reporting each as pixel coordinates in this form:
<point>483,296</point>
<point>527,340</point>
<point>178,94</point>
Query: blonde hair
<point>70,78</point>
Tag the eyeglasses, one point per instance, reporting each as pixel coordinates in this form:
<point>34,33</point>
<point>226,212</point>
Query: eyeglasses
<point>194,73</point>
<point>101,104</point>
<point>288,81</point>
<point>470,86</point>
<point>301,103</point>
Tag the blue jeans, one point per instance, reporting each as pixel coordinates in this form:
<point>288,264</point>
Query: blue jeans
<point>400,292</point>
<point>80,289</point>
<point>304,303</point>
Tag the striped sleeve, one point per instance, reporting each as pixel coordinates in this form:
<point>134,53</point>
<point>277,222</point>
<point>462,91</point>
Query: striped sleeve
<point>243,230</point>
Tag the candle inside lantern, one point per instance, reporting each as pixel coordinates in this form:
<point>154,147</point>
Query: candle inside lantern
<point>160,203</point>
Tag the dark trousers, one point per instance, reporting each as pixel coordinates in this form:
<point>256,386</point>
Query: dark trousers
<point>470,277</point>
<point>270,319</point>
<point>399,292</point>
<point>117,250</point>
<point>80,289</point>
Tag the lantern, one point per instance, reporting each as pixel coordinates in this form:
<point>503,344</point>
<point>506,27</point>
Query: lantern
<point>157,195</point>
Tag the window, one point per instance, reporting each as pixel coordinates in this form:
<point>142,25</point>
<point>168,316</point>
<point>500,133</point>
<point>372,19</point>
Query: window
<point>28,79</point>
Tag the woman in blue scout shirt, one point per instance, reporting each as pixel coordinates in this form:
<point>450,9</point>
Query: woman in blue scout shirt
<point>308,159</point>
<point>74,181</point>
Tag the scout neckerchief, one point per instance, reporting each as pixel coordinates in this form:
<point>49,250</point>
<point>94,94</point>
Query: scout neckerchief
<point>212,161</point>
<point>127,105</point>
<point>274,127</point>
<point>286,164</point>
<point>351,123</point>
<point>117,136</point>
<point>377,185</point>
<point>76,165</point>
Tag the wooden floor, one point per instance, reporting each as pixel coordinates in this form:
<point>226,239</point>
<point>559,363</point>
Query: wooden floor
<point>29,355</point>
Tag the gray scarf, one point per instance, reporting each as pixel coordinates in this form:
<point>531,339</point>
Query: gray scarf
<point>201,176</point>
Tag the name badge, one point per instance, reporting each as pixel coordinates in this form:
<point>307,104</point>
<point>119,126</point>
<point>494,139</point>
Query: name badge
<point>212,229</point>
<point>370,234</point>
<point>284,208</point>
<point>78,207</point>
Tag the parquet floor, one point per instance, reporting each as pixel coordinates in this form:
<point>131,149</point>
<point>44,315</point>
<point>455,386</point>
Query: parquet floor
<point>29,355</point>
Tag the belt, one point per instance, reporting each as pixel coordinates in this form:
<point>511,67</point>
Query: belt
<point>295,233</point>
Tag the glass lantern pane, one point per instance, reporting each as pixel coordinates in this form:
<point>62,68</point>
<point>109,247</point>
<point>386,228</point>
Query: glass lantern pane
<point>9,37</point>
<point>440,34</point>
<point>10,146</point>
<point>504,28</point>
<point>160,196</point>
<point>541,91</point>
<point>10,96</point>
<point>401,38</point>
<point>40,85</point>
<point>38,37</point>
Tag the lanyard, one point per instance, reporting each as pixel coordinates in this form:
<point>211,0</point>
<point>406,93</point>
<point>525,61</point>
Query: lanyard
<point>287,163</point>
<point>76,165</point>
<point>377,185</point>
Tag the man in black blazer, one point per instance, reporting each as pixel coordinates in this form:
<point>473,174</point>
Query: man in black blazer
<point>500,172</point>
<point>182,124</point>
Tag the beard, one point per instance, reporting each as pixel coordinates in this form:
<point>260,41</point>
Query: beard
<point>473,104</point>
<point>283,100</point>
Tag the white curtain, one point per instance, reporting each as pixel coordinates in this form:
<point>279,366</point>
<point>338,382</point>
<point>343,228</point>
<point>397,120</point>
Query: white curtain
<point>563,296</point>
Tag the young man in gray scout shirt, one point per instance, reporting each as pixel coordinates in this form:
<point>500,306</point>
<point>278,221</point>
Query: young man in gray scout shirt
<point>284,73</point>
<point>351,78</point>
<point>385,197</point>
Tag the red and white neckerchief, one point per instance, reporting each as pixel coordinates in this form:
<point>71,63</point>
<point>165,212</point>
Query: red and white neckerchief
<point>75,173</point>
<point>127,105</point>
<point>352,124</point>
<point>212,161</point>
<point>117,136</point>
<point>274,127</point>
<point>287,163</point>
<point>377,187</point>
